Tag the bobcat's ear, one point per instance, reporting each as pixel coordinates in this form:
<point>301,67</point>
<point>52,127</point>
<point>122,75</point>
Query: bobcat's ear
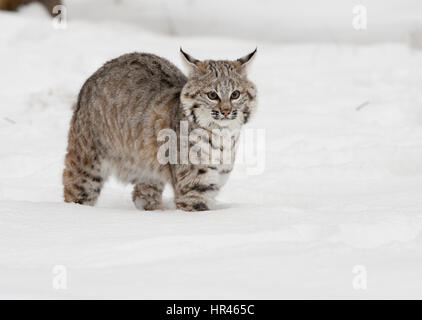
<point>244,61</point>
<point>190,61</point>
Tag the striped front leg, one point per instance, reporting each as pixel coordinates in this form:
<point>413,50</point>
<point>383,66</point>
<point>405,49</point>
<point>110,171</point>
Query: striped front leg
<point>195,187</point>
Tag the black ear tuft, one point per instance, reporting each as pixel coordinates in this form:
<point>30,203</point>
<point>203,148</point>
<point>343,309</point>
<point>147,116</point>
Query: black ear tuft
<point>246,59</point>
<point>189,59</point>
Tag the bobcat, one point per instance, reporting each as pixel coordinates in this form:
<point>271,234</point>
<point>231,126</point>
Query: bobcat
<point>123,107</point>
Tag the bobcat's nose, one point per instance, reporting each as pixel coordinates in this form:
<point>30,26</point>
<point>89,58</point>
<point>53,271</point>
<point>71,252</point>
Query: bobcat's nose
<point>225,112</point>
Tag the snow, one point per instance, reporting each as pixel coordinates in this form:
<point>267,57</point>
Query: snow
<point>341,186</point>
<point>272,20</point>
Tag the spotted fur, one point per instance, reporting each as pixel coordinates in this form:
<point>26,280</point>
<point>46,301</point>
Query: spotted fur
<point>122,108</point>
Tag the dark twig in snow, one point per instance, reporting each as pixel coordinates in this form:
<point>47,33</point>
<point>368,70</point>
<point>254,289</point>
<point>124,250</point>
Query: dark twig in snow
<point>362,105</point>
<point>9,120</point>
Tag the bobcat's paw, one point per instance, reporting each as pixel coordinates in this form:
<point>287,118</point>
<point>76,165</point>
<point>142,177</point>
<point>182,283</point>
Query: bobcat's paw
<point>141,204</point>
<point>195,206</point>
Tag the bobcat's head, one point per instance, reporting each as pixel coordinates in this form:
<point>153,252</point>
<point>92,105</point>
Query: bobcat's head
<point>218,93</point>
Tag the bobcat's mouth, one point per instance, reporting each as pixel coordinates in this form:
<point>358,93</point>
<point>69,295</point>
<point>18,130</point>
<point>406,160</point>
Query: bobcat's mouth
<point>217,115</point>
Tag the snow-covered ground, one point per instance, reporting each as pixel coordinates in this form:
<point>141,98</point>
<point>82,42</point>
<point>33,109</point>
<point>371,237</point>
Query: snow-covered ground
<point>341,190</point>
<point>272,20</point>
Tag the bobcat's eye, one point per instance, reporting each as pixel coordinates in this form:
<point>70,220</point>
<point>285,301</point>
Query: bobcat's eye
<point>235,94</point>
<point>212,95</point>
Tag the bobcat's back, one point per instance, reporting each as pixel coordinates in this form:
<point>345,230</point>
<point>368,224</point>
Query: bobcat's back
<point>119,112</point>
